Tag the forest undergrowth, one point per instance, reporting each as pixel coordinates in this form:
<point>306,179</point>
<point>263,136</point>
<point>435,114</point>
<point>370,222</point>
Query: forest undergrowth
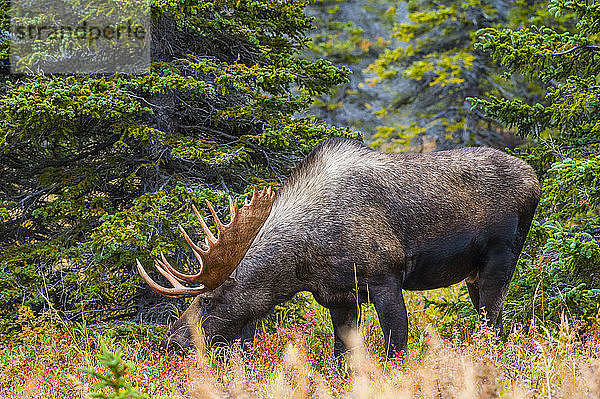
<point>292,357</point>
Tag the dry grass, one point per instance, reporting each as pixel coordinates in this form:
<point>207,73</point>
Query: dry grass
<point>295,361</point>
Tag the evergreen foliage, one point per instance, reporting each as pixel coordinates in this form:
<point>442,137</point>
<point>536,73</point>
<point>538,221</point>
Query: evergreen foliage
<point>560,269</point>
<point>113,379</point>
<point>340,42</point>
<point>351,34</point>
<point>98,170</point>
<point>434,56</point>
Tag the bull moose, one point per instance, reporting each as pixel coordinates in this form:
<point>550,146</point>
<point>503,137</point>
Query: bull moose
<point>394,221</point>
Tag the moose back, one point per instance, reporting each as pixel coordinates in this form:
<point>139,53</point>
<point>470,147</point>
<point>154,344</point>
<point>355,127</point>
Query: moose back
<point>395,221</point>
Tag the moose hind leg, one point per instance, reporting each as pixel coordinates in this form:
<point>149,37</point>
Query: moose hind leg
<point>344,319</point>
<point>473,288</point>
<point>391,311</point>
<point>494,281</point>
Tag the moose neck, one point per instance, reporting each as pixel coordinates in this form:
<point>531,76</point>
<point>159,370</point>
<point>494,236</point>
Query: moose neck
<point>274,268</point>
<point>270,268</point>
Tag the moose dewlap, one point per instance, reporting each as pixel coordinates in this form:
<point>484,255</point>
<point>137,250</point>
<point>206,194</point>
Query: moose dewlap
<point>397,221</point>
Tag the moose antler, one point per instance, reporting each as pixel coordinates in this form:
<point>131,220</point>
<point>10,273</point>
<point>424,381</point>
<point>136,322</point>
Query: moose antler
<point>223,253</point>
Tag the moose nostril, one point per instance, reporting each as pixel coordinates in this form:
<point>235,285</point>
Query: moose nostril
<point>179,341</point>
<point>175,346</point>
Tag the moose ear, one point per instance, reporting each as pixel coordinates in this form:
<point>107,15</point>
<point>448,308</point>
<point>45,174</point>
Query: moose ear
<point>233,275</point>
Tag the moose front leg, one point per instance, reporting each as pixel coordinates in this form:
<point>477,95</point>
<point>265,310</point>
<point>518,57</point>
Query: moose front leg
<point>391,311</point>
<point>344,321</point>
<point>248,333</point>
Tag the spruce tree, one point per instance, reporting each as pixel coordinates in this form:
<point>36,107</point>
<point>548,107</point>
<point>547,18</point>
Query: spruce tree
<point>559,271</point>
<point>98,170</point>
<point>431,66</point>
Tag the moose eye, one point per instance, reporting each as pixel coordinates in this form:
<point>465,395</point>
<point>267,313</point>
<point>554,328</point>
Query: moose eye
<point>207,304</point>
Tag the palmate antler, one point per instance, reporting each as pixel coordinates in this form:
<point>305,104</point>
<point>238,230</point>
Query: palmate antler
<point>223,254</point>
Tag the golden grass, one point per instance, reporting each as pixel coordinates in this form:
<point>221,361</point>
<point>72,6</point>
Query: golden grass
<point>295,361</point>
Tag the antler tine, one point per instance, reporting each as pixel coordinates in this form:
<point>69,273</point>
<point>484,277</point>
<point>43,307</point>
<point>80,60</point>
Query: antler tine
<point>177,274</point>
<point>166,273</point>
<point>233,209</point>
<point>254,195</point>
<point>197,251</point>
<point>209,235</point>
<point>195,247</point>
<point>214,215</point>
<point>178,290</point>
